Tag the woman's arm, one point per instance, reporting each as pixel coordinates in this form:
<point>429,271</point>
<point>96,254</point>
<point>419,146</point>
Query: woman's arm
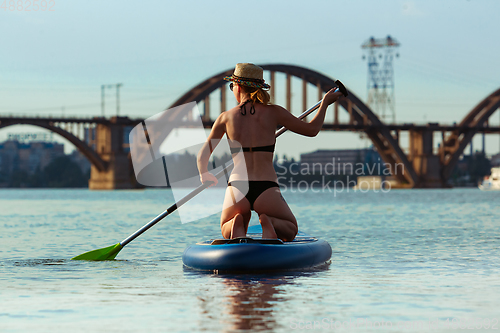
<point>313,127</point>
<point>218,130</point>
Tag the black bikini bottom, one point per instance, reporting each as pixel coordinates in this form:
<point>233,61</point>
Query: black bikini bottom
<point>255,188</point>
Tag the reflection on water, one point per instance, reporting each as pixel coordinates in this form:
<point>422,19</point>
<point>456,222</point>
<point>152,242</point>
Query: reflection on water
<point>38,262</point>
<point>251,300</point>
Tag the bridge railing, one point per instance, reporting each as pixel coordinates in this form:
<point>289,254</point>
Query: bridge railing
<point>46,116</point>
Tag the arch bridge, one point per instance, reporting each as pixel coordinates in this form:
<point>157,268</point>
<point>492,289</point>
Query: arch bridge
<point>103,142</point>
<point>420,167</point>
<point>99,139</point>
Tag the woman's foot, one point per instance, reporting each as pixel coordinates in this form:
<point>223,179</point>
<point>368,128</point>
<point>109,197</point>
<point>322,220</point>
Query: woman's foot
<point>238,229</point>
<point>267,227</point>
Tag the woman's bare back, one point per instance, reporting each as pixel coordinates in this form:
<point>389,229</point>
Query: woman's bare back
<point>253,130</point>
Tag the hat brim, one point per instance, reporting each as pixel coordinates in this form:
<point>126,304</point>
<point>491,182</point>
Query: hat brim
<point>244,82</point>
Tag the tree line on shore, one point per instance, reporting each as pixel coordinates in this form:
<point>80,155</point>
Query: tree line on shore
<point>61,172</point>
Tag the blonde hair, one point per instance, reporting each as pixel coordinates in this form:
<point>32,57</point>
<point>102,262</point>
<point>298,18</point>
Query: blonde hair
<point>257,95</point>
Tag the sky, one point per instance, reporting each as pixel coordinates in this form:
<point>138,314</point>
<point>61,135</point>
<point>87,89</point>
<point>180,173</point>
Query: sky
<point>54,62</point>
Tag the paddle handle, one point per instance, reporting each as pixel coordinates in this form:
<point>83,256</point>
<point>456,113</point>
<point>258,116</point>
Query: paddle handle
<point>200,188</point>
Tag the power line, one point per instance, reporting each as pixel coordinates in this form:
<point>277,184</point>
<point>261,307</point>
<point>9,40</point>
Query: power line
<point>459,75</point>
<point>84,106</point>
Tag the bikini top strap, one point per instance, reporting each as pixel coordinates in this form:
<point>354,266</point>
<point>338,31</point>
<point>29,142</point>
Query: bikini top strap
<point>243,109</point>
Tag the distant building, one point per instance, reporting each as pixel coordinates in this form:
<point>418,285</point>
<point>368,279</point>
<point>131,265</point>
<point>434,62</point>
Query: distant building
<point>29,157</point>
<point>495,160</point>
<point>343,162</point>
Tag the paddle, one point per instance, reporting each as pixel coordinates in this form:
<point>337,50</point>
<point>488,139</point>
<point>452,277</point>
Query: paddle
<point>110,252</point>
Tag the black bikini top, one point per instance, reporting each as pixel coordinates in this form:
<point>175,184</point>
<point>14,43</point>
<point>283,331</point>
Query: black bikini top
<point>236,150</point>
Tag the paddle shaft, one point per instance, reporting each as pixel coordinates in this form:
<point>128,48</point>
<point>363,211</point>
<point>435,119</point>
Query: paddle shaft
<point>200,188</point>
<point>160,217</point>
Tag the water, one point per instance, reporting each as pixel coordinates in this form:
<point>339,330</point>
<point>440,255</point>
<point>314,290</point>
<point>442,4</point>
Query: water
<point>403,256</point>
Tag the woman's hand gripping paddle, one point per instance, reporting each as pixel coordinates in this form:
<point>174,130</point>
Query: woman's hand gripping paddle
<point>110,252</point>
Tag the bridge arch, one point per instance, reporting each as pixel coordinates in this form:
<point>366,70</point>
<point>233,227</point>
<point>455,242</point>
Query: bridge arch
<point>85,149</point>
<point>360,114</point>
<point>456,142</point>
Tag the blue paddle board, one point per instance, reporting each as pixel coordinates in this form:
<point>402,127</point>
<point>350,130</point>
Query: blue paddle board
<point>252,253</point>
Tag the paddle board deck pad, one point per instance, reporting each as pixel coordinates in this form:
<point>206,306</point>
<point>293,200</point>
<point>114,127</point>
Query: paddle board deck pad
<point>252,253</point>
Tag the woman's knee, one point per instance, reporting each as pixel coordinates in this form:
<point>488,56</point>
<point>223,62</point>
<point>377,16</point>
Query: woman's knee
<point>289,234</point>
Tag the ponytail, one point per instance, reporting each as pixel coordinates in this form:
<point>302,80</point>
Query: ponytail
<point>257,95</point>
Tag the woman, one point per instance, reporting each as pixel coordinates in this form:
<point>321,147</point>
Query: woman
<point>252,125</point>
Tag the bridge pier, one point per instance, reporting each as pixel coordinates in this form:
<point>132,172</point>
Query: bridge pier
<point>109,146</point>
<point>115,177</point>
<point>426,165</point>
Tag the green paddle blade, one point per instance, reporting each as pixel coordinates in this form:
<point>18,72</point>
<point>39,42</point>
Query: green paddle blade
<point>107,253</point>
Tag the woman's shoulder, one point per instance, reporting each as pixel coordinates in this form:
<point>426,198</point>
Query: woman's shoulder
<point>234,110</point>
<point>228,113</point>
<point>276,109</point>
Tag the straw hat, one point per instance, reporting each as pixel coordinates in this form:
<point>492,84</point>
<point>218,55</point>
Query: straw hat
<point>248,75</point>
